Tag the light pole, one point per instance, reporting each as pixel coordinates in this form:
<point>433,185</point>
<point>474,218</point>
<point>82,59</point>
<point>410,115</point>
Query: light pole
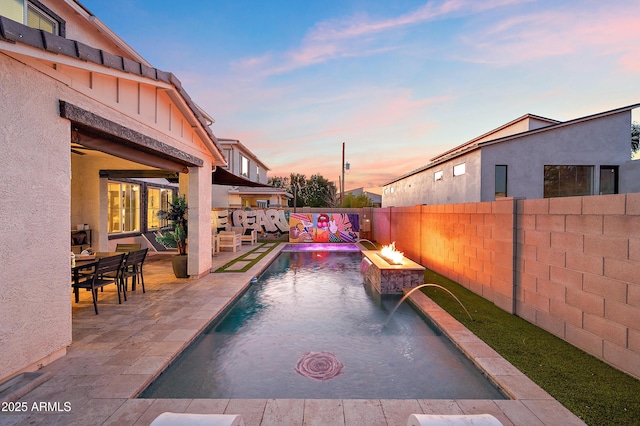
<point>345,166</point>
<point>342,181</point>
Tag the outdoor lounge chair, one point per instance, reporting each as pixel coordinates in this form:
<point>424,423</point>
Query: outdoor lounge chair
<point>107,271</point>
<point>229,239</point>
<point>246,235</point>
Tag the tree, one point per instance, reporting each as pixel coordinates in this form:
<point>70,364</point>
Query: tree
<point>319,191</point>
<point>313,192</point>
<point>280,182</point>
<point>356,201</point>
<point>299,188</point>
<point>635,137</point>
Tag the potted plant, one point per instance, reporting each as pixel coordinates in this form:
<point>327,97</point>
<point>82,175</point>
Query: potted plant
<point>175,235</point>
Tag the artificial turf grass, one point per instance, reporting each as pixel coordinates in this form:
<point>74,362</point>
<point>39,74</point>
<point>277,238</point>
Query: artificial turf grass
<point>224,267</point>
<point>594,391</point>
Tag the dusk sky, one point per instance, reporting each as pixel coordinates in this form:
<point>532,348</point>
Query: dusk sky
<point>398,81</point>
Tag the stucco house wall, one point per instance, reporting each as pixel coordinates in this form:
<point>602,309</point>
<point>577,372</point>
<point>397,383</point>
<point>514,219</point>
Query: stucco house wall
<point>629,173</point>
<point>37,184</point>
<point>219,196</point>
<point>35,193</point>
<point>234,151</point>
<point>422,188</point>
<point>601,141</point>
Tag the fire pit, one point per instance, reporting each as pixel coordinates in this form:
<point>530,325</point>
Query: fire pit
<point>391,255</point>
<point>389,271</point>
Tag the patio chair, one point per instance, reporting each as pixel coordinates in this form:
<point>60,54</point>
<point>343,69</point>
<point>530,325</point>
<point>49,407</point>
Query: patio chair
<point>246,235</point>
<point>133,269</point>
<point>107,271</point>
<point>128,247</point>
<point>229,239</point>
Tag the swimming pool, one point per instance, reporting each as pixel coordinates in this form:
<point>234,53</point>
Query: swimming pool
<point>311,328</point>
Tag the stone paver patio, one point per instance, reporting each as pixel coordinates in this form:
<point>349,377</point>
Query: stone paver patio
<point>115,355</point>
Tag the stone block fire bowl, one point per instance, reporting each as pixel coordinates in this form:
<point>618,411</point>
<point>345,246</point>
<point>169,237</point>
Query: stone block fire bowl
<point>388,278</point>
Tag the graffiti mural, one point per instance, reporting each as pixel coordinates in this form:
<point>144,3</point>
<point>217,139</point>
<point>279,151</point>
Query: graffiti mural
<point>273,224</point>
<point>301,228</point>
<point>324,227</point>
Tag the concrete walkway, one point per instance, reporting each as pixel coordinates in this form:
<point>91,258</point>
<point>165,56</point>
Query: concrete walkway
<point>115,355</point>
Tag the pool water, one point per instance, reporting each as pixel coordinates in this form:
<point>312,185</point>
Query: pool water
<point>311,328</point>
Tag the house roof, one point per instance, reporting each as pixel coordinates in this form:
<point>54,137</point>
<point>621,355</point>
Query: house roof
<point>16,33</point>
<point>476,144</point>
<point>235,142</point>
<point>495,131</point>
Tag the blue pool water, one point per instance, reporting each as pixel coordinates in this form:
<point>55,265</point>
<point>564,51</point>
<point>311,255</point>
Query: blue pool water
<point>311,328</point>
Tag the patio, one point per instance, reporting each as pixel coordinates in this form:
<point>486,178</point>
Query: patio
<point>116,353</point>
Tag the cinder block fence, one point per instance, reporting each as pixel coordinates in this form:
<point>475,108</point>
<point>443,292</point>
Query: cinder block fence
<point>569,265</point>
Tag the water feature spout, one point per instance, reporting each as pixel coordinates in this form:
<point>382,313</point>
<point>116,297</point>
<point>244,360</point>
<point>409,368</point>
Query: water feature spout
<point>416,288</point>
<point>364,239</point>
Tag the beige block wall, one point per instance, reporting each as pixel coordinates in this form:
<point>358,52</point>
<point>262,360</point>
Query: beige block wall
<point>35,311</point>
<point>470,243</point>
<point>571,263</point>
<point>577,277</point>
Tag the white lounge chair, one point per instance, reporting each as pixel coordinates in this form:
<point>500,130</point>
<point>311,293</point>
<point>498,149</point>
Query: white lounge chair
<point>246,235</point>
<point>189,419</point>
<point>228,239</point>
<point>453,420</point>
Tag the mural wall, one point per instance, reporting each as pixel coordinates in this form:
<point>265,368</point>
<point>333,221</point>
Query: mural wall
<point>281,225</point>
<point>323,228</point>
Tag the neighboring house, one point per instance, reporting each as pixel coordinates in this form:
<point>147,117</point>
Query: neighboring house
<point>248,185</point>
<point>373,194</point>
<point>83,119</point>
<point>530,157</point>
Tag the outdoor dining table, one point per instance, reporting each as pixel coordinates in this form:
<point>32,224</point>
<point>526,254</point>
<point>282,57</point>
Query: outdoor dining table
<point>87,263</point>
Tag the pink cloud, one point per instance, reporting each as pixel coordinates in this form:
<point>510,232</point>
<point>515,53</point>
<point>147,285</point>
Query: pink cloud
<point>592,32</point>
<point>381,129</point>
<point>361,25</point>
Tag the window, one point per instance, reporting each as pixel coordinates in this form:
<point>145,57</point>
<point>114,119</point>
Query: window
<point>13,9</point>
<point>608,180</point>
<point>244,171</point>
<point>227,156</point>
<point>123,207</point>
<point>501,181</point>
<point>257,173</point>
<point>568,181</point>
<point>157,199</point>
<point>33,14</point>
<point>439,175</point>
<point>459,170</point>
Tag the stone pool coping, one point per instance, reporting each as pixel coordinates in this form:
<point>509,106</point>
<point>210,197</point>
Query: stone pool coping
<point>115,354</point>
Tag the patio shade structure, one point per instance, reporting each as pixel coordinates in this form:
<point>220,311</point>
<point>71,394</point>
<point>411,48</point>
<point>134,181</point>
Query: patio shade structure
<point>221,176</point>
